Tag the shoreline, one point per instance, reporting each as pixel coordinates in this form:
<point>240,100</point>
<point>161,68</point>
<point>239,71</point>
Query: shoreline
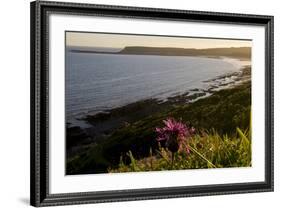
<point>102,125</point>
<point>215,84</point>
<point>221,112</point>
<point>75,117</point>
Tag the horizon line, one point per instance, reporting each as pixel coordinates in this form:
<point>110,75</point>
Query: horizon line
<point>153,47</point>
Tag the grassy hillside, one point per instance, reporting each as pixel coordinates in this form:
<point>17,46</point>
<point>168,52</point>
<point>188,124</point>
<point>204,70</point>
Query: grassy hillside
<point>209,150</point>
<point>219,114</point>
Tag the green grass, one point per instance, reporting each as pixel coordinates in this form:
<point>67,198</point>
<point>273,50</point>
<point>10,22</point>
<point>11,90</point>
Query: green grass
<point>209,150</point>
<point>215,118</point>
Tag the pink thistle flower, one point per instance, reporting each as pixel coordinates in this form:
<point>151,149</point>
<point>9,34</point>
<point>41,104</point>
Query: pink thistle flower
<point>174,134</point>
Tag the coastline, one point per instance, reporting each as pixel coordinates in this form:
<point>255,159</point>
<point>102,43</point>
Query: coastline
<point>109,128</point>
<point>212,85</point>
<point>93,102</point>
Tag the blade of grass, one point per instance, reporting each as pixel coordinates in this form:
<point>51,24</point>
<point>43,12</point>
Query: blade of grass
<point>209,162</point>
<point>243,136</point>
<point>133,162</point>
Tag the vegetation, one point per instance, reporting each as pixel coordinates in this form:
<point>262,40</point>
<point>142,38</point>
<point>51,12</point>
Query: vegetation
<point>209,150</point>
<point>221,139</point>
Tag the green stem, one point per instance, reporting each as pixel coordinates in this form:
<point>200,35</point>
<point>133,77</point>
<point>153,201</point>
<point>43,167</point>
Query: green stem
<point>173,158</point>
<point>192,149</point>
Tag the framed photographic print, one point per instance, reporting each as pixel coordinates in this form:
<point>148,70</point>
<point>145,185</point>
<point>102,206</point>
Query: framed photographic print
<point>131,103</point>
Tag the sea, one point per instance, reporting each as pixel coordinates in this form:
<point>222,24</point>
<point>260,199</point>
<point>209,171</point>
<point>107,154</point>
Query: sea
<point>97,82</point>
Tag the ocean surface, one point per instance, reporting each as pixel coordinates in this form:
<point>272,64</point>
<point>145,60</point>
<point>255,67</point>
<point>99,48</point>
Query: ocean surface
<point>96,82</point>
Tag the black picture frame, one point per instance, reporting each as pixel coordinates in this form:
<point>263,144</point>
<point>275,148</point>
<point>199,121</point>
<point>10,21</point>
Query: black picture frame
<point>39,189</point>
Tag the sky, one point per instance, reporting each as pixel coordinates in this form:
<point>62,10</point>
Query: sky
<point>87,39</point>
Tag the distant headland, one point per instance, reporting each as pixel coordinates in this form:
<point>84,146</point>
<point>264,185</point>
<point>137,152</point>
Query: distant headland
<point>234,52</point>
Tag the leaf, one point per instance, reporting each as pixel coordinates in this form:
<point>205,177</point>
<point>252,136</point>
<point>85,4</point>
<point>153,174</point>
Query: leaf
<point>245,140</point>
<point>133,161</point>
<point>209,163</point>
